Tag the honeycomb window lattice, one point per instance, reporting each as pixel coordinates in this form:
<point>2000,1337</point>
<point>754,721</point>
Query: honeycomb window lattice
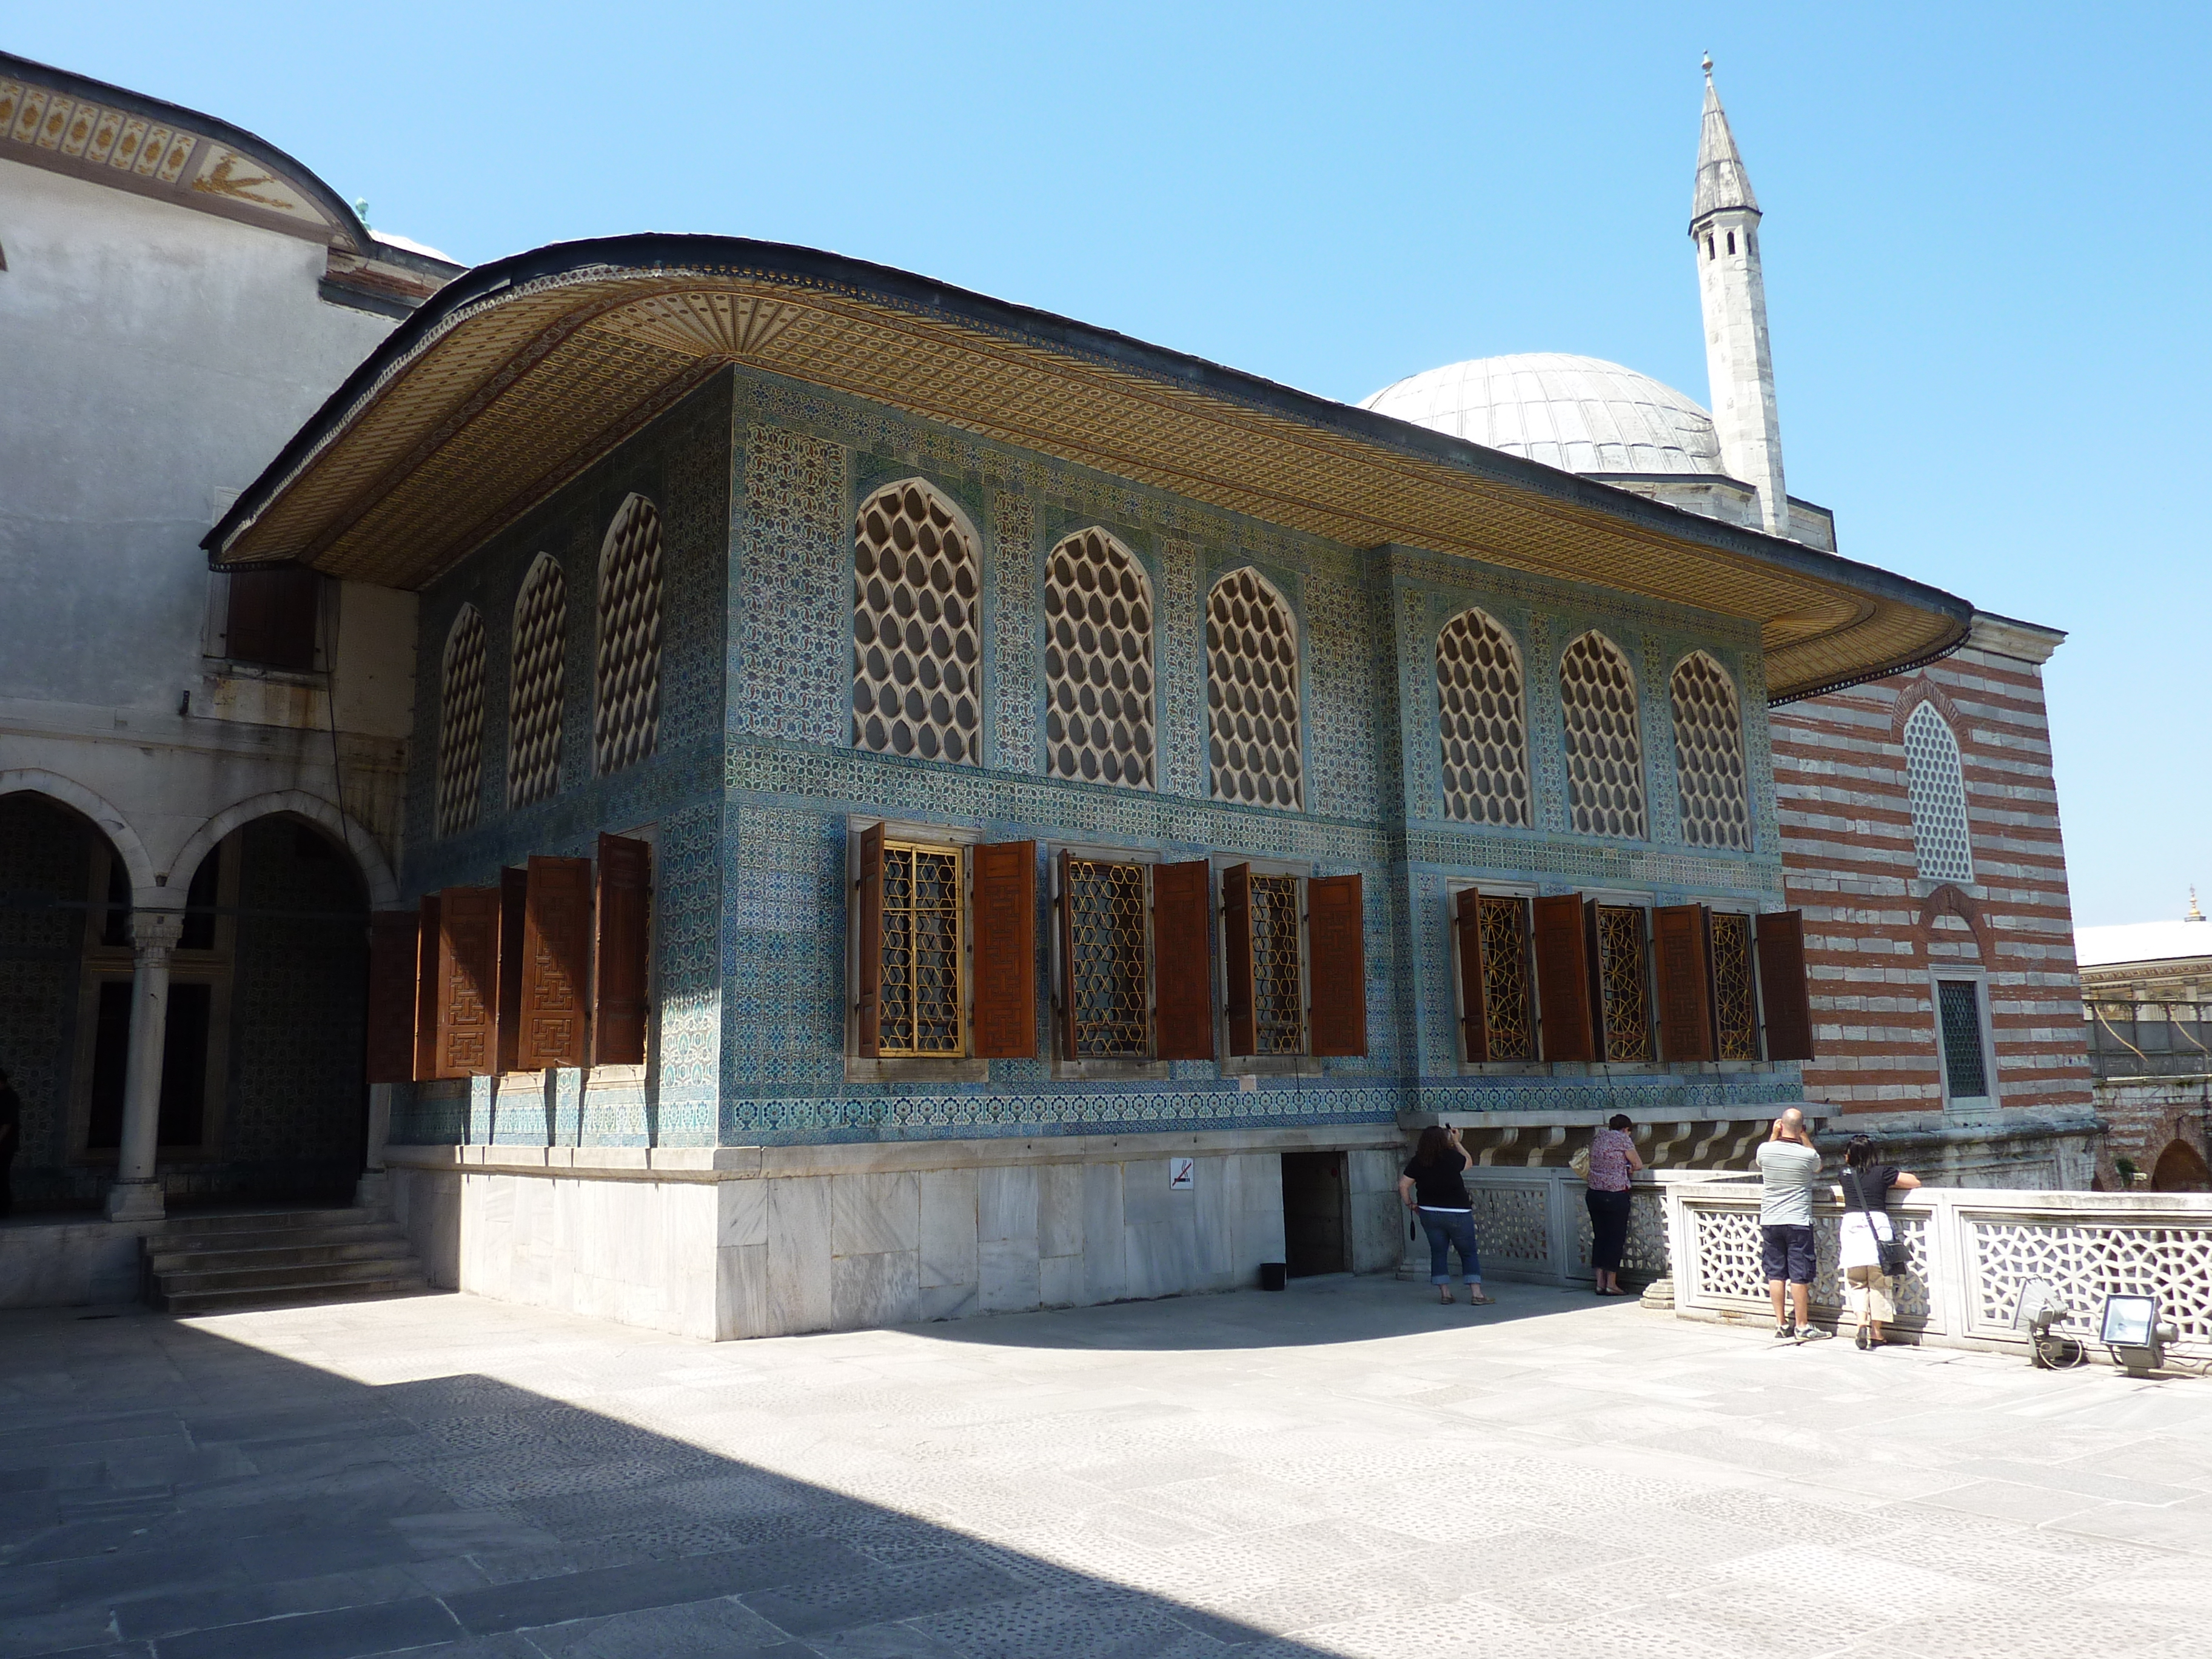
<point>1254,740</point>
<point>1938,790</point>
<point>916,649</point>
<point>1106,983</point>
<point>1709,755</point>
<point>1734,1003</point>
<point>1604,743</point>
<point>1278,984</point>
<point>919,997</point>
<point>1098,663</point>
<point>533,714</point>
<point>460,723</point>
<point>1481,718</point>
<point>626,702</point>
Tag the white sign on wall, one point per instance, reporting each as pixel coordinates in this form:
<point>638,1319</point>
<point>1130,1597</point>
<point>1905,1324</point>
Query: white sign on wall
<point>1183,1172</point>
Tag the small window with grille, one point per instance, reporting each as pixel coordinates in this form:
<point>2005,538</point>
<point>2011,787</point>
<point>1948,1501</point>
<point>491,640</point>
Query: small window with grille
<point>922,961</point>
<point>1294,963</point>
<point>1962,1033</point>
<point>1736,1003</point>
<point>1624,981</point>
<point>1497,1006</point>
<point>1104,994</point>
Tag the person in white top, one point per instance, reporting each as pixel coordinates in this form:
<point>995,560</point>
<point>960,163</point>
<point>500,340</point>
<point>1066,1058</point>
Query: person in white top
<point>1865,1228</point>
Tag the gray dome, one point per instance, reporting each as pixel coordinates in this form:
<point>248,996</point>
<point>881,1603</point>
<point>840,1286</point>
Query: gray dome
<point>1578,414</point>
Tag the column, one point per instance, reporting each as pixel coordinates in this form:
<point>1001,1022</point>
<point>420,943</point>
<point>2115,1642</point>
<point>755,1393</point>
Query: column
<point>136,1195</point>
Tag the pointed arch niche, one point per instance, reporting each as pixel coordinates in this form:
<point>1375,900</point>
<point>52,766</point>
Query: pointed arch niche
<point>1708,754</point>
<point>1254,744</point>
<point>1603,740</point>
<point>917,653</point>
<point>1482,721</point>
<point>536,682</point>
<point>460,724</point>
<point>1099,713</point>
<point>626,669</point>
<point>1937,784</point>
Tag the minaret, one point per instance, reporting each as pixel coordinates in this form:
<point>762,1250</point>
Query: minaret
<point>1739,363</point>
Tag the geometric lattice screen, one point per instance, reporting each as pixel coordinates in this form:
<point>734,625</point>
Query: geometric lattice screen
<point>1605,748</point>
<point>460,723</point>
<point>1479,716</point>
<point>1939,797</point>
<point>1709,755</point>
<point>626,701</point>
<point>1098,663</point>
<point>916,649</point>
<point>534,687</point>
<point>1252,693</point>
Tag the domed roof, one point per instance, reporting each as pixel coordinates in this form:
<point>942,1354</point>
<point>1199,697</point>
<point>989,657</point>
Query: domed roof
<point>1578,414</point>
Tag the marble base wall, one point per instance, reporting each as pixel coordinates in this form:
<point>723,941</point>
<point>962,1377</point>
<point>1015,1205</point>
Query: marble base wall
<point>69,1264</point>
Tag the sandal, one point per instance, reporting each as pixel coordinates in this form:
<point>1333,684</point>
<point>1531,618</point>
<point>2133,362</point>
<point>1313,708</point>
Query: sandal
<point>1477,1299</point>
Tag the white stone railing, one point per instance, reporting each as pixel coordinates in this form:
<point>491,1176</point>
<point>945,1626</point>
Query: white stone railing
<point>1531,1225</point>
<point>1973,1249</point>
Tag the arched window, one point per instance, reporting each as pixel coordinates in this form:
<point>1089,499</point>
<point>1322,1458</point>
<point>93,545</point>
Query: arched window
<point>1482,722</point>
<point>1939,797</point>
<point>915,650</point>
<point>1252,700</point>
<point>536,679</point>
<point>1708,754</point>
<point>626,676</point>
<point>1098,663</point>
<point>1604,745</point>
<point>460,724</point>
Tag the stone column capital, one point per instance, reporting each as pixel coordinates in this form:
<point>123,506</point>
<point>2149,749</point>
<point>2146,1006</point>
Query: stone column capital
<point>156,930</point>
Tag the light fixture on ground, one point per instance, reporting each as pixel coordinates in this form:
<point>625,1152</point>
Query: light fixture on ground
<point>2137,1335</point>
<point>2038,1309</point>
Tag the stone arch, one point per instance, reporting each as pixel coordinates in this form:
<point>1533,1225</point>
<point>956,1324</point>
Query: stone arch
<point>1914,692</point>
<point>110,823</point>
<point>2181,1169</point>
<point>1949,900</point>
<point>376,870</point>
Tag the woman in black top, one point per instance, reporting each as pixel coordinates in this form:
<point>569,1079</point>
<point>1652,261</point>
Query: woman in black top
<point>1434,1187</point>
<point>1865,1193</point>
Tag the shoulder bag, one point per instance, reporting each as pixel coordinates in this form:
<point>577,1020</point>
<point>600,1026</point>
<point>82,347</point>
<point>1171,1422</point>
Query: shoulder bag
<point>1895,1257</point>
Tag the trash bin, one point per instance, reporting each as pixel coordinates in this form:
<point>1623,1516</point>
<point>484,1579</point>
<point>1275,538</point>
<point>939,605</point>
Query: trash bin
<point>1270,1275</point>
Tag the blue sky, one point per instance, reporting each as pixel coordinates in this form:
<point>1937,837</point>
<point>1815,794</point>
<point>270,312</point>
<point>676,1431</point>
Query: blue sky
<point>1986,237</point>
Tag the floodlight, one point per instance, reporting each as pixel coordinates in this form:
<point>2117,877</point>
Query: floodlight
<point>2133,1331</point>
<point>2038,1309</point>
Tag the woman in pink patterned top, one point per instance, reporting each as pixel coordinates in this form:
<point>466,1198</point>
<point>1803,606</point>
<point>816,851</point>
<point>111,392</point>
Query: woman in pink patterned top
<point>1612,1161</point>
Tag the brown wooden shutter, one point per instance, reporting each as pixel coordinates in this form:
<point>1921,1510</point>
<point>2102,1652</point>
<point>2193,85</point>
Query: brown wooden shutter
<point>1682,934</point>
<point>468,982</point>
<point>1182,960</point>
<point>1336,965</point>
<point>557,963</point>
<point>1474,1014</point>
<point>394,968</point>
<point>270,617</point>
<point>1563,978</point>
<point>426,989</point>
<point>513,894</point>
<point>1237,958</point>
<point>621,955</point>
<point>868,923</point>
<point>1782,988</point>
<point>1065,907</point>
<point>1004,912</point>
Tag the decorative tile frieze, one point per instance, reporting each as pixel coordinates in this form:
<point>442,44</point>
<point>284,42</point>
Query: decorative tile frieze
<point>790,624</point>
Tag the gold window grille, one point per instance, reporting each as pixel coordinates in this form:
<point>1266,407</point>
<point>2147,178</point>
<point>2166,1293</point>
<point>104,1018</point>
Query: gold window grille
<point>924,969</point>
<point>1505,978</point>
<point>1621,984</point>
<point>1105,980</point>
<point>1277,998</point>
<point>1735,1011</point>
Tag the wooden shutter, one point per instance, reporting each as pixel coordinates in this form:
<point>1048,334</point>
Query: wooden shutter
<point>1563,978</point>
<point>1783,990</point>
<point>394,967</point>
<point>1682,934</point>
<point>270,617</point>
<point>1474,1014</point>
<point>1237,958</point>
<point>514,894</point>
<point>1336,965</point>
<point>1182,960</point>
<point>468,982</point>
<point>1005,910</point>
<point>1066,913</point>
<point>621,953</point>
<point>868,925</point>
<point>557,963</point>
<point>426,989</point>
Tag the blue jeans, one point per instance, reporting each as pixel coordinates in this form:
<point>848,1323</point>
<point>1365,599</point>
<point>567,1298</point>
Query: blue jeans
<point>1450,1231</point>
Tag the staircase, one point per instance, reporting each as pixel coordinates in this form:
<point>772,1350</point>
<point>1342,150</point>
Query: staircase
<point>260,1258</point>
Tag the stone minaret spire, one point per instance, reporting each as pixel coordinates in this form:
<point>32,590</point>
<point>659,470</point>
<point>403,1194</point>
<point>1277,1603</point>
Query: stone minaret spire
<point>1739,363</point>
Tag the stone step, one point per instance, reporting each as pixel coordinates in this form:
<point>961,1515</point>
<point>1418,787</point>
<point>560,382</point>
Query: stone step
<point>363,1290</point>
<point>387,1244</point>
<point>258,1220</point>
<point>257,1258</point>
<point>289,1238</point>
<point>283,1275</point>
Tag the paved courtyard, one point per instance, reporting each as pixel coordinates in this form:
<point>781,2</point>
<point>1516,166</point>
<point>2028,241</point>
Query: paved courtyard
<point>1346,1468</point>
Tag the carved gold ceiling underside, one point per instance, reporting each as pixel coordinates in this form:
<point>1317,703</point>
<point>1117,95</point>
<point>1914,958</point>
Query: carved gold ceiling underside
<point>516,392</point>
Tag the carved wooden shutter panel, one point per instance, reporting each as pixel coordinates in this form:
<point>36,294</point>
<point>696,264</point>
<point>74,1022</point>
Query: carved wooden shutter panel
<point>426,989</point>
<point>1237,958</point>
<point>868,970</point>
<point>621,956</point>
<point>394,968</point>
<point>1683,935</point>
<point>513,896</point>
<point>1005,909</point>
<point>1066,917</point>
<point>1563,978</point>
<point>1474,1015</point>
<point>557,963</point>
<point>468,982</point>
<point>1336,965</point>
<point>1782,986</point>
<point>1182,960</point>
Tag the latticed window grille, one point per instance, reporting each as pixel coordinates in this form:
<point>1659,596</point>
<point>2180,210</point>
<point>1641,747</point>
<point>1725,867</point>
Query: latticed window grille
<point>1958,1017</point>
<point>1252,697</point>
<point>1708,754</point>
<point>1505,999</point>
<point>626,713</point>
<point>460,724</point>
<point>915,655</point>
<point>1604,745</point>
<point>1279,1025</point>
<point>1481,719</point>
<point>919,999</point>
<point>533,705</point>
<point>1625,1006</point>
<point>1734,1003</point>
<point>1098,663</point>
<point>1106,984</point>
<point>1938,789</point>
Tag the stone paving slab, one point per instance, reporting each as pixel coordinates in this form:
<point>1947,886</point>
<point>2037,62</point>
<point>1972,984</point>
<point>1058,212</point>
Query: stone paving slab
<point>1346,1468</point>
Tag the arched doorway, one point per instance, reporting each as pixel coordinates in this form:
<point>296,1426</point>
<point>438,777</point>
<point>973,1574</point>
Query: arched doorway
<point>2181,1169</point>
